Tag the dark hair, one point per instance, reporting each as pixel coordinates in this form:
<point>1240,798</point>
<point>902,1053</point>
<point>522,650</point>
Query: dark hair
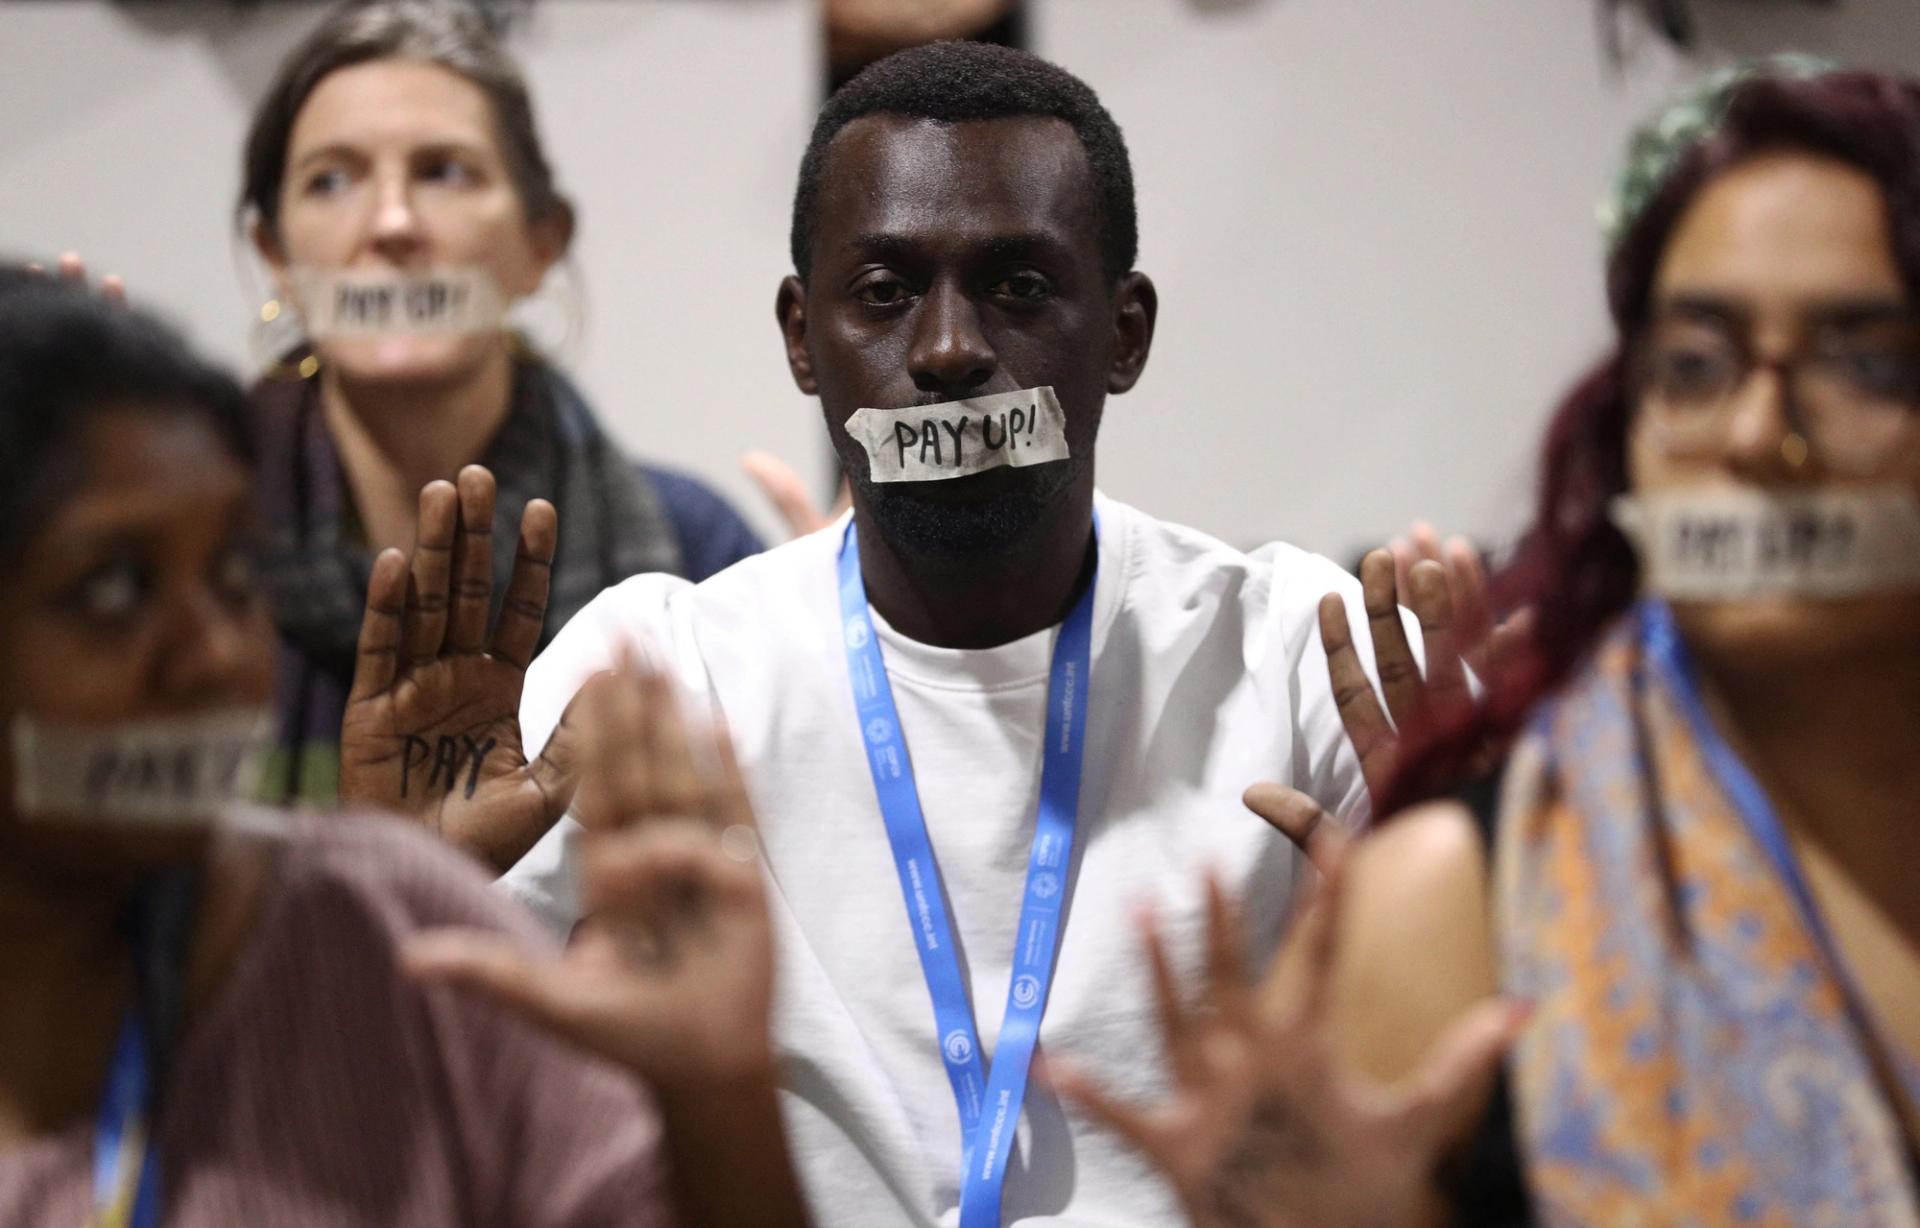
<point>454,37</point>
<point>1573,567</point>
<point>953,82</point>
<point>64,354</point>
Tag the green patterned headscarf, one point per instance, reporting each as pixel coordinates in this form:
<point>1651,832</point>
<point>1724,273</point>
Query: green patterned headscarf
<point>1658,145</point>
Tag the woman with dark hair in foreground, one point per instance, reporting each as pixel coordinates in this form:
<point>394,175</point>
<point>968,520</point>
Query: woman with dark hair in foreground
<point>1699,904</point>
<point>209,1016</point>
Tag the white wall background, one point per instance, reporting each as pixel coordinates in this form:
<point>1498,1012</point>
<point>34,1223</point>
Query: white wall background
<point>1370,220</point>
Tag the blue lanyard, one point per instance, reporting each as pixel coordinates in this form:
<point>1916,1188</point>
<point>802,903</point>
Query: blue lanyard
<point>989,1106</point>
<point>1663,645</point>
<point>126,1176</point>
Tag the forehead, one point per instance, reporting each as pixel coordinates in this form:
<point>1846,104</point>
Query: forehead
<point>379,100</point>
<point>1784,230</point>
<point>974,180</point>
<point>140,461</point>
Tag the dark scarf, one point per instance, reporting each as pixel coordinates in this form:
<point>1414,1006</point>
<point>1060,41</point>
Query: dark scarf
<point>315,561</point>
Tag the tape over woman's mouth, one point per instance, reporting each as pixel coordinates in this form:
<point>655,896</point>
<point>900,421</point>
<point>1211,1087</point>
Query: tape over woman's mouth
<point>1734,544</point>
<point>183,772</point>
<point>448,300</point>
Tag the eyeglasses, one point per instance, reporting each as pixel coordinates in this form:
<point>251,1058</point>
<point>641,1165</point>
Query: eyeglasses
<point>1853,390</point>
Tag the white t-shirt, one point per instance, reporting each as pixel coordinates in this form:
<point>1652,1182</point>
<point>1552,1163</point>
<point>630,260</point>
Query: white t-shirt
<point>1207,675</point>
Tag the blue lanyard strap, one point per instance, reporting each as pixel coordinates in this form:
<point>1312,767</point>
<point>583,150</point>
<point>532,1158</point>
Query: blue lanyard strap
<point>126,1179</point>
<point>989,1106</point>
<point>1667,650</point>
<point>126,1168</point>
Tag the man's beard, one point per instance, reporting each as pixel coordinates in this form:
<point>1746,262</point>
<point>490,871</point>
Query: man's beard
<point>962,531</point>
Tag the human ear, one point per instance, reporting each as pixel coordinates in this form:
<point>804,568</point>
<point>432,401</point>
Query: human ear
<point>548,240</point>
<point>266,244</point>
<point>1136,304</point>
<point>790,306</point>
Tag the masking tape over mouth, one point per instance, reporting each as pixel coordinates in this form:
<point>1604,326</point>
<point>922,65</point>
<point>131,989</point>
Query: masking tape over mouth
<point>928,443</point>
<point>363,303</point>
<point>183,772</point>
<point>1725,544</point>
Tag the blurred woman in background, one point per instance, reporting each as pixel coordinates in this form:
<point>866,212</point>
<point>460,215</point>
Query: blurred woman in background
<point>396,152</point>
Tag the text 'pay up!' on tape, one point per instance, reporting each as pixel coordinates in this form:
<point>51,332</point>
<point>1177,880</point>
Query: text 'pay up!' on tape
<point>928,443</point>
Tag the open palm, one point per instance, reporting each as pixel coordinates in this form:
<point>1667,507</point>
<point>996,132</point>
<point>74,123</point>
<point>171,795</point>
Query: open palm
<point>1267,1126</point>
<point>672,971</point>
<point>432,723</point>
<point>1449,598</point>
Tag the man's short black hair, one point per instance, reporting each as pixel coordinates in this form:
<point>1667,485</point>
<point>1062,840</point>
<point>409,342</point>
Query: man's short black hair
<point>954,82</point>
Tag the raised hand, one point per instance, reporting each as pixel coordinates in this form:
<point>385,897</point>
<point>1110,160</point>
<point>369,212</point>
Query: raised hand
<point>672,972</point>
<point>1481,640</point>
<point>1267,1126</point>
<point>1437,592</point>
<point>1410,697</point>
<point>432,724</point>
<point>788,493</point>
<point>71,268</point>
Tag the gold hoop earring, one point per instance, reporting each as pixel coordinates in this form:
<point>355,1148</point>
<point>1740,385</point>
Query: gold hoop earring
<point>1793,450</point>
<point>275,338</point>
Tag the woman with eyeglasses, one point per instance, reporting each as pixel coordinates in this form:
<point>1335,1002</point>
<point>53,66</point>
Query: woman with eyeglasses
<point>1684,910</point>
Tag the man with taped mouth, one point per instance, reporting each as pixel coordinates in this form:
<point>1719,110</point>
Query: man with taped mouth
<point>994,713</point>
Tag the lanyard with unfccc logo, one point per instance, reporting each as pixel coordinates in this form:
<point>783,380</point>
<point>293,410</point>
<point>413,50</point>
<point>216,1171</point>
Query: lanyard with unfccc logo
<point>989,1105</point>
